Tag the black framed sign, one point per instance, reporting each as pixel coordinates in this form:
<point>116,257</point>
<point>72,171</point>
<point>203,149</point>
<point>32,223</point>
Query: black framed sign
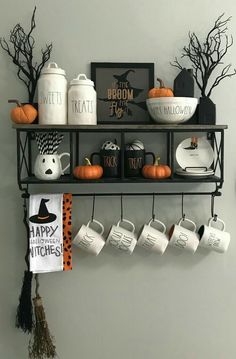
<point>122,90</point>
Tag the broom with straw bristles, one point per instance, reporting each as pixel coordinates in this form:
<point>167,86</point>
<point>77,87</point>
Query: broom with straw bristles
<point>41,344</point>
<point>24,315</point>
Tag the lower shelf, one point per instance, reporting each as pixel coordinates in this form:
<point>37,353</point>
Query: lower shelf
<point>175,179</point>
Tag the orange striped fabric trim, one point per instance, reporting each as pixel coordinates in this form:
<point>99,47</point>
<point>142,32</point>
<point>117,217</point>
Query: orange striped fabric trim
<point>67,226</point>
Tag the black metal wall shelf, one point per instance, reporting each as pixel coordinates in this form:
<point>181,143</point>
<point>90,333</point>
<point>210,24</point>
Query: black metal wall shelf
<point>25,135</point>
<point>121,128</point>
<point>66,179</point>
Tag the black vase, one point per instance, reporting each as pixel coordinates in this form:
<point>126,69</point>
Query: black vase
<point>206,111</point>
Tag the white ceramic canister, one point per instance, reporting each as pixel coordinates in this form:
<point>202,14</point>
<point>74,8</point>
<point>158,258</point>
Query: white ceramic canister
<point>52,96</point>
<point>82,102</point>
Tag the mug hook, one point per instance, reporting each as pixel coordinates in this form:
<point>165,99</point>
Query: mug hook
<point>182,206</point>
<point>213,207</point>
<point>121,206</point>
<point>92,218</point>
<point>153,206</point>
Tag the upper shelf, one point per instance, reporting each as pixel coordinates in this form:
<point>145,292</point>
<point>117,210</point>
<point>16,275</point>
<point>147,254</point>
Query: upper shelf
<point>120,128</point>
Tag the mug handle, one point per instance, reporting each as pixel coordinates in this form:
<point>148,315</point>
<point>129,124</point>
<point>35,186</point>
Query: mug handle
<point>93,155</point>
<point>126,221</point>
<point>98,223</point>
<point>188,220</point>
<point>60,156</point>
<point>218,220</point>
<point>150,154</point>
<point>157,221</point>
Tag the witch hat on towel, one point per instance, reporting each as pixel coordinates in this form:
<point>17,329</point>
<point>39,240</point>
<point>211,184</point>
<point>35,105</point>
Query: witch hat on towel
<point>43,215</point>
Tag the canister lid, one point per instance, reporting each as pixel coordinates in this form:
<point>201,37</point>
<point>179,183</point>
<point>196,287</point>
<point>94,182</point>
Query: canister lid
<point>52,68</point>
<point>82,79</point>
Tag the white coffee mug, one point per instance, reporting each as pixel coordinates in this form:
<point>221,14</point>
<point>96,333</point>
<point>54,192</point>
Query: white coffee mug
<point>90,240</point>
<point>121,238</point>
<point>183,238</point>
<point>153,239</point>
<point>48,167</point>
<point>213,238</point>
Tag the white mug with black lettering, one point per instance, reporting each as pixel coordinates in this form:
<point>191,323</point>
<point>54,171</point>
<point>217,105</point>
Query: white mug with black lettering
<point>121,238</point>
<point>213,238</point>
<point>184,238</point>
<point>90,240</point>
<point>153,239</point>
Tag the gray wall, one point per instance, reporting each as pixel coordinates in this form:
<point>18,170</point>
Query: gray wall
<point>114,306</point>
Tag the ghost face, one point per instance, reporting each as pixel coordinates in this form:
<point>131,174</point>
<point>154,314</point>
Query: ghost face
<point>48,167</point>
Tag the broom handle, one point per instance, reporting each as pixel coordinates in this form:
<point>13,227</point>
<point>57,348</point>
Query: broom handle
<point>37,285</point>
<point>27,231</point>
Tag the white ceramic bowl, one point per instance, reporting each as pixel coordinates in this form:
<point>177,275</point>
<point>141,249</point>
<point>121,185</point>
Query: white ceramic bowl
<point>171,110</point>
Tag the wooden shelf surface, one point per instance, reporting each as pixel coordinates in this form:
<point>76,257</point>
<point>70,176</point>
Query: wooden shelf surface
<point>121,127</point>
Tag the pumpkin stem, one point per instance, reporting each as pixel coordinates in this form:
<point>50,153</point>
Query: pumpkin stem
<point>15,101</point>
<point>87,161</point>
<point>161,83</point>
<point>157,159</point>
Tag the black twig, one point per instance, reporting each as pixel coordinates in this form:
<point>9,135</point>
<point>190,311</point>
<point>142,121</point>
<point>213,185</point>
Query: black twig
<point>20,48</point>
<point>207,55</point>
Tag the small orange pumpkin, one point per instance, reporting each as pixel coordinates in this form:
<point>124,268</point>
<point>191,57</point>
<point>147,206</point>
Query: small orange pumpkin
<point>23,114</point>
<point>156,171</point>
<point>89,171</point>
<point>161,91</point>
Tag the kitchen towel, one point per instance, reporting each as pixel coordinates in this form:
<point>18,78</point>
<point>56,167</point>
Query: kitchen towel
<point>46,233</point>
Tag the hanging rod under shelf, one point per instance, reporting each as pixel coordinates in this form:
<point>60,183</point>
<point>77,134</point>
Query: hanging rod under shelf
<point>117,194</point>
<point>217,193</point>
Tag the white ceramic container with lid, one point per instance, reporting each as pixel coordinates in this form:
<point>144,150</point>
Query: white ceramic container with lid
<point>82,102</point>
<point>52,96</point>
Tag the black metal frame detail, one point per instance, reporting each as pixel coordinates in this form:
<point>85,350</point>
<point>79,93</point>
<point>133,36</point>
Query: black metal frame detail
<point>25,135</point>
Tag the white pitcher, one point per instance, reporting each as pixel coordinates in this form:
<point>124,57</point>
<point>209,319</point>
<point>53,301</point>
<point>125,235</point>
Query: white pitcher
<point>48,167</point>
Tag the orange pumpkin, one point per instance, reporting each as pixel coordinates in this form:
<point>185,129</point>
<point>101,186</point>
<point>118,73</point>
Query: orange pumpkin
<point>161,91</point>
<point>23,114</point>
<point>88,172</point>
<point>156,171</point>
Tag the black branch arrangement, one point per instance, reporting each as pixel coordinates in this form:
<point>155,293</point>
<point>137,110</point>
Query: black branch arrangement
<point>207,55</point>
<point>20,48</point>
